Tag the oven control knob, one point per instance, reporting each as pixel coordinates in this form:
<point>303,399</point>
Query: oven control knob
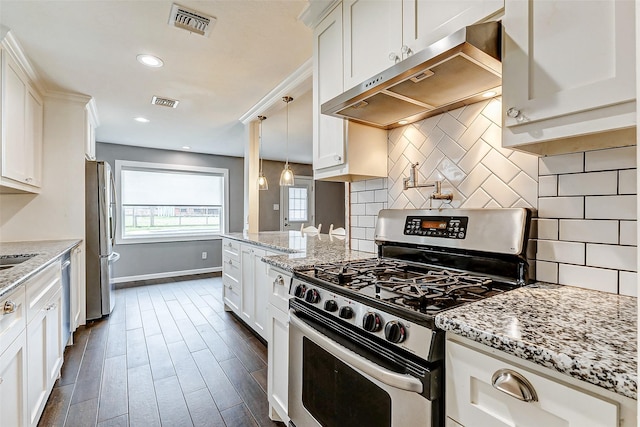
<point>371,322</point>
<point>331,305</point>
<point>300,291</point>
<point>313,296</point>
<point>395,331</point>
<point>346,312</point>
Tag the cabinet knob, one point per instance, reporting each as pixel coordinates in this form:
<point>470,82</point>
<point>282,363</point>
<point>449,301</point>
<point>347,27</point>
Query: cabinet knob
<point>338,158</point>
<point>514,113</point>
<point>229,262</point>
<point>9,307</point>
<point>406,50</point>
<point>515,385</point>
<point>50,307</point>
<point>279,281</point>
<point>29,179</point>
<point>394,57</point>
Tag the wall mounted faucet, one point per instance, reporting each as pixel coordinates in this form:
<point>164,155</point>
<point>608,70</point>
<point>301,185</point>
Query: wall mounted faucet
<point>412,182</point>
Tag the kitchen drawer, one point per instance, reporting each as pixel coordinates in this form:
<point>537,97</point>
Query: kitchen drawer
<point>279,283</point>
<point>231,295</point>
<point>41,288</point>
<point>230,249</point>
<point>231,270</point>
<point>12,316</point>
<point>473,400</point>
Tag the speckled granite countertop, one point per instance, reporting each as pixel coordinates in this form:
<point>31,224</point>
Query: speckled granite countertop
<point>303,250</point>
<point>586,334</point>
<point>47,251</point>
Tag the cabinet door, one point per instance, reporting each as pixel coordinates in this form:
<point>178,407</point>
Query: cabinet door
<point>427,21</point>
<point>261,294</point>
<point>328,132</point>
<point>278,363</point>
<point>564,57</point>
<point>76,289</point>
<point>13,383</point>
<point>37,366</point>
<point>54,338</point>
<point>247,306</point>
<point>14,91</point>
<point>372,38</point>
<point>33,138</point>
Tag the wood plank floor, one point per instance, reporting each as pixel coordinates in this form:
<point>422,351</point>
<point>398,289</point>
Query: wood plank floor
<point>168,355</point>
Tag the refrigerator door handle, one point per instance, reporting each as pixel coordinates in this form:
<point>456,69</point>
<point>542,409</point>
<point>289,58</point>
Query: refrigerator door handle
<point>113,218</point>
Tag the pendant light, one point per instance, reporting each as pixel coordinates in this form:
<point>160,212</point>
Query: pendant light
<point>286,177</point>
<point>263,184</point>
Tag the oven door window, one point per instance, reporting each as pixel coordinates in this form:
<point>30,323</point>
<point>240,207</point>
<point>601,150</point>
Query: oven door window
<point>337,395</point>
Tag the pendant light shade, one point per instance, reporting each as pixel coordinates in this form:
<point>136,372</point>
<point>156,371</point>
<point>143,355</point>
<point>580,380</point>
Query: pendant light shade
<point>263,184</point>
<point>286,177</point>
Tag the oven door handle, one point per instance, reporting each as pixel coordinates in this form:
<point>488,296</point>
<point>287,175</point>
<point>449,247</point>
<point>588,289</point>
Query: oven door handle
<point>390,378</point>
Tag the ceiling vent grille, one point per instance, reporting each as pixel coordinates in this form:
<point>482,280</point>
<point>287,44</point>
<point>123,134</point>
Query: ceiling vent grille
<point>191,20</point>
<point>164,102</point>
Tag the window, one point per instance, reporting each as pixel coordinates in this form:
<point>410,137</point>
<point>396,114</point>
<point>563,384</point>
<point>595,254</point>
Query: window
<point>297,204</point>
<point>170,202</point>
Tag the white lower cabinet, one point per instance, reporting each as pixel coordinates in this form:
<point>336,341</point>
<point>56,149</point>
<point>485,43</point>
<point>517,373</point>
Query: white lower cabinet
<point>255,288</point>
<point>231,275</point>
<point>278,351</point>
<point>483,390</point>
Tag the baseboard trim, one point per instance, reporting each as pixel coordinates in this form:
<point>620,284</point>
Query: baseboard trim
<point>165,274</point>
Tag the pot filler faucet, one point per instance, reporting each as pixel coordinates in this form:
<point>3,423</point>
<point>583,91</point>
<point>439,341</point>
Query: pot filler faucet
<point>412,182</point>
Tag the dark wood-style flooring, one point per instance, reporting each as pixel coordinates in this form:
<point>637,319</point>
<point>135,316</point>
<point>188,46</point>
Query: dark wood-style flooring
<point>169,355</point>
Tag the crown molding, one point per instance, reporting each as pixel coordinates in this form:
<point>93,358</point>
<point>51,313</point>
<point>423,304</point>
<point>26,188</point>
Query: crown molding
<point>15,50</point>
<point>316,11</point>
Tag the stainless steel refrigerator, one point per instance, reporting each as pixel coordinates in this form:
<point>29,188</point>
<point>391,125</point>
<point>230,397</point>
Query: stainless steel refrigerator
<point>100,232</point>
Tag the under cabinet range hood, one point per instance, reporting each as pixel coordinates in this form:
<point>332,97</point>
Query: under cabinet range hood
<point>455,71</point>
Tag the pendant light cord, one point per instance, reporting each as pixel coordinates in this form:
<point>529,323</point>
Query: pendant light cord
<point>287,99</point>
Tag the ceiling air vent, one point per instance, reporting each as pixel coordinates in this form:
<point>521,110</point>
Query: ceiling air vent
<point>191,20</point>
<point>164,102</point>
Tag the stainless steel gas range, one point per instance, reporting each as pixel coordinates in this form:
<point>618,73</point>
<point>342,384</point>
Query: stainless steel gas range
<point>363,348</point>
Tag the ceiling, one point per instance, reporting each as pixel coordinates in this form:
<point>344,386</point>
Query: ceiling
<point>90,47</point>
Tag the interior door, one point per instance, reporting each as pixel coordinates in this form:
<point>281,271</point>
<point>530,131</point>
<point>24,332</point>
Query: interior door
<point>297,205</point>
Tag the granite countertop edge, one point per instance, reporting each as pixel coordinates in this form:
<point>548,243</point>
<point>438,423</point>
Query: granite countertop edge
<point>619,377</point>
<point>240,238</point>
<point>47,252</point>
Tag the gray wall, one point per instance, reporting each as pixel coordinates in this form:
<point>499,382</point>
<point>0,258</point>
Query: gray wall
<point>157,258</point>
<point>329,198</point>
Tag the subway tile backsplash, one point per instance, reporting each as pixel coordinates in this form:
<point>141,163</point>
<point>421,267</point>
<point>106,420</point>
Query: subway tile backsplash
<point>586,202</point>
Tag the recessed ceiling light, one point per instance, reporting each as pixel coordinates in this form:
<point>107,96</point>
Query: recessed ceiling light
<point>141,120</point>
<point>186,147</point>
<point>489,94</point>
<point>403,122</point>
<point>150,61</point>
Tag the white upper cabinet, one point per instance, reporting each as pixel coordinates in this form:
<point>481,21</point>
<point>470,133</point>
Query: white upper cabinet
<point>568,70</point>
<point>21,125</point>
<point>372,38</point>
<point>424,22</point>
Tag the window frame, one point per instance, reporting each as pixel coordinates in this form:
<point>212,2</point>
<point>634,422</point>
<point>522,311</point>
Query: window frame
<point>121,165</point>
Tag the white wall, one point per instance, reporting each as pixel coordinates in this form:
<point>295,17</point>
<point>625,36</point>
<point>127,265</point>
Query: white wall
<point>586,201</point>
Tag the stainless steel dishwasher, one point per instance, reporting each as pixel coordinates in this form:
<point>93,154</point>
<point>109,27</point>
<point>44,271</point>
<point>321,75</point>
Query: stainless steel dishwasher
<point>66,298</point>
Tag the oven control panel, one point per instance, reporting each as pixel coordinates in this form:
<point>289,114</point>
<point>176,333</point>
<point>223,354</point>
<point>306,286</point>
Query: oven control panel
<point>448,227</point>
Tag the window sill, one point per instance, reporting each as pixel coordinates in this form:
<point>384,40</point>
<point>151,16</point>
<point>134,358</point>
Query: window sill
<point>166,239</point>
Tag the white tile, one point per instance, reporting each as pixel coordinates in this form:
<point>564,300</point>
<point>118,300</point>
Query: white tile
<point>432,140</point>
<point>395,190</point>
<point>354,243</point>
<point>358,208</point>
<point>493,205</point>
<point>474,156</point>
<point>561,207</point>
<point>366,196</point>
<point>628,284</point>
<point>627,181</point>
<point>367,246</point>
<point>431,163</point>
<point>472,135</point>
<point>451,172</point>
<point>522,203</point>
<point>416,197</point>
<point>366,221</point>
<point>592,231</point>
<point>526,187</point>
<point>449,125</point>
<point>400,169</point>
<point>563,163</point>
<point>358,233</point>
<point>374,208</point>
<point>478,199</point>
<point>546,271</point>
<point>527,162</point>
<point>500,191</point>
<point>413,154</point>
<point>450,149</point>
<point>474,180</point>
<point>493,136</point>
<point>414,136</point>
<point>588,277</point>
<point>628,233</point>
<point>370,233</point>
<point>563,252</point>
<point>548,185</point>
<point>610,159</point>
<point>398,149</point>
<point>610,207</point>
<point>381,196</point>
<point>399,203</point>
<point>426,126</point>
<point>612,256</point>
<point>456,113</point>
<point>500,166</point>
<point>493,111</point>
<point>358,186</point>
<point>583,184</point>
<point>375,184</point>
<point>547,228</point>
<point>353,220</point>
<point>471,112</point>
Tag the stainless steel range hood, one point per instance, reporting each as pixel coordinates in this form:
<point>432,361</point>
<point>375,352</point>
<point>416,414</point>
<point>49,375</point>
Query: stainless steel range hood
<point>455,71</point>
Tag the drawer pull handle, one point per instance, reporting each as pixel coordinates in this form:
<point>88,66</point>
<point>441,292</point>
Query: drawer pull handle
<point>279,281</point>
<point>514,384</point>
<point>50,307</point>
<point>9,307</point>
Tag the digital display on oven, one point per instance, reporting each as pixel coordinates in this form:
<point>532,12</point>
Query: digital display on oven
<point>448,227</point>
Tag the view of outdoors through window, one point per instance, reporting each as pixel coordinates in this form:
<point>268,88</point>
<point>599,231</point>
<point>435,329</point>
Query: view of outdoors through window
<point>297,204</point>
<point>158,201</point>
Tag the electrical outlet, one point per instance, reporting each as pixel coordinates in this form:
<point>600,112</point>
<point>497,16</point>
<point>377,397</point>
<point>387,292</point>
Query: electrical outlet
<point>276,207</point>
<point>204,255</point>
